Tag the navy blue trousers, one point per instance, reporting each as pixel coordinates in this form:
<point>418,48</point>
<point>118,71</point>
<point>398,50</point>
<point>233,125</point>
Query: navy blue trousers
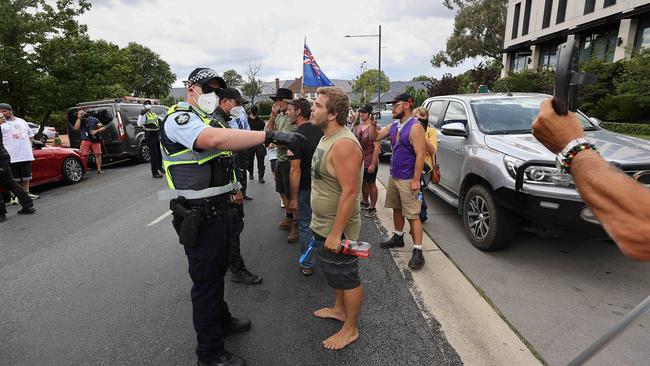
<point>208,262</point>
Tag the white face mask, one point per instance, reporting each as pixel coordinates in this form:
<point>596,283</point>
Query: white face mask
<point>236,111</point>
<point>147,106</point>
<point>208,102</point>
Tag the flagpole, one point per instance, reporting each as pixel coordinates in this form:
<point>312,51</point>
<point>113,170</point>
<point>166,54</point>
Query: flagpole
<point>302,83</point>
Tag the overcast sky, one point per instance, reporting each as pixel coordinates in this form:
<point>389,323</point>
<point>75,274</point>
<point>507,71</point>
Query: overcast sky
<point>230,35</point>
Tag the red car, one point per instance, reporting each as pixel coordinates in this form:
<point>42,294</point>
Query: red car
<point>53,164</point>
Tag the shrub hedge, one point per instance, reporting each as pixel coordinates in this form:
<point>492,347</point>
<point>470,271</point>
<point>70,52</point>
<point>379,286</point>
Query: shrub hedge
<point>627,128</point>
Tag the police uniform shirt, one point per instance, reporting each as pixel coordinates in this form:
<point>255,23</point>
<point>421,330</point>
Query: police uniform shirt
<point>184,128</point>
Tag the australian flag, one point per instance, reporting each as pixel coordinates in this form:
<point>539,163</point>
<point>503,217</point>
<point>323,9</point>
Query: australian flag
<point>313,75</point>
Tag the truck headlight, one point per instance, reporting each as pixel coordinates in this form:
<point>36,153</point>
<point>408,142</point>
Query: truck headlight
<point>537,174</point>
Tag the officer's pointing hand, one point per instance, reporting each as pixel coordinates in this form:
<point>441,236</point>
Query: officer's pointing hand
<point>289,139</point>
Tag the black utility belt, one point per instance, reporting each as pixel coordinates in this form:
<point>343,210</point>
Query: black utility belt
<point>220,200</point>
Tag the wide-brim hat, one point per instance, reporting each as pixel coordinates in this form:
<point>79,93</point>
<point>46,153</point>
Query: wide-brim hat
<point>232,93</point>
<point>283,94</point>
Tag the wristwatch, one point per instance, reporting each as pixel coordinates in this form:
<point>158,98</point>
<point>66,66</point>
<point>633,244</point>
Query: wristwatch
<point>565,157</point>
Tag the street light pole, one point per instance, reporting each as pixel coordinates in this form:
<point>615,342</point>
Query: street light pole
<point>379,61</point>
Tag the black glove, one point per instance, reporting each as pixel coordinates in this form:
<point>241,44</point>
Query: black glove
<point>289,139</point>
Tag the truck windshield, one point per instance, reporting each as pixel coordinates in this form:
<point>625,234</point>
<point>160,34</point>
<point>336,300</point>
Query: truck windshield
<point>511,115</point>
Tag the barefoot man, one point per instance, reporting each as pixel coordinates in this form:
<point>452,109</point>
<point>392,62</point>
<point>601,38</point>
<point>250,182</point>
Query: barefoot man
<point>335,196</point>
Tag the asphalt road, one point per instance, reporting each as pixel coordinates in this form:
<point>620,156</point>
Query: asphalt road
<point>560,294</point>
<point>85,281</point>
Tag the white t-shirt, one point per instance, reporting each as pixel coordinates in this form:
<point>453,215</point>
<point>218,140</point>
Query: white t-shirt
<point>16,136</point>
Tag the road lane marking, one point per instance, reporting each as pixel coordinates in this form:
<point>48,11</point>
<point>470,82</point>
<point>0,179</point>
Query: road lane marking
<point>162,217</point>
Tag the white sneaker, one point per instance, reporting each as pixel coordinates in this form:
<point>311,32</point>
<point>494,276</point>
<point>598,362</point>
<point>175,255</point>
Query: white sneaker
<point>34,196</point>
<point>13,201</point>
<point>281,203</point>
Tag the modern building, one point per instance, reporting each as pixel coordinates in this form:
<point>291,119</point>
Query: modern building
<point>608,30</point>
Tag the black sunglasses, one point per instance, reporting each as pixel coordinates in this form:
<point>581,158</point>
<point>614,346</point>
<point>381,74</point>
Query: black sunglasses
<point>205,88</point>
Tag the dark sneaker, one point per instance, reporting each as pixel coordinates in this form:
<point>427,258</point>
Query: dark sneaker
<point>157,175</point>
<point>236,325</point>
<point>246,277</point>
<point>417,259</point>
<point>27,211</point>
<point>372,212</point>
<point>395,242</point>
<point>247,197</point>
<point>364,205</point>
<point>227,359</point>
<point>306,271</point>
<point>262,180</point>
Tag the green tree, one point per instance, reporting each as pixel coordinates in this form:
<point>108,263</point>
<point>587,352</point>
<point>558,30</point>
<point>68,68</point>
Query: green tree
<point>366,84</point>
<point>421,78</point>
<point>532,81</point>
<point>149,75</point>
<point>231,77</point>
<point>26,25</point>
<point>169,100</point>
<point>478,31</point>
<point>419,95</point>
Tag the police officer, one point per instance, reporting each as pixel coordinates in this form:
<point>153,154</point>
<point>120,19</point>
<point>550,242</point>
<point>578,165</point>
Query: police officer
<point>149,122</point>
<point>197,158</point>
<point>229,99</point>
<point>7,182</point>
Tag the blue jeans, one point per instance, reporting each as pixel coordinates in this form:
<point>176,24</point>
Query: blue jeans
<point>304,219</point>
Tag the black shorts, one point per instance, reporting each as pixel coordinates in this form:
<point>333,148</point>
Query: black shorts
<point>370,177</point>
<point>22,171</point>
<point>282,170</point>
<point>341,270</point>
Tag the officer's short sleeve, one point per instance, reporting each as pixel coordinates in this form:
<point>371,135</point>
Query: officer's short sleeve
<point>184,128</point>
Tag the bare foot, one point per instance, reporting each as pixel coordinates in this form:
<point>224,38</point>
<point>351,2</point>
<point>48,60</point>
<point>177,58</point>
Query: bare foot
<point>330,313</point>
<point>341,339</point>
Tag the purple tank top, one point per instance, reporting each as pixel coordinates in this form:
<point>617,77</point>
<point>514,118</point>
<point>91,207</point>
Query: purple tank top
<point>402,163</point>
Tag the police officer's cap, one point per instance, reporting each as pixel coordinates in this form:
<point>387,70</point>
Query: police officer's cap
<point>203,75</point>
<point>231,93</point>
<point>146,102</point>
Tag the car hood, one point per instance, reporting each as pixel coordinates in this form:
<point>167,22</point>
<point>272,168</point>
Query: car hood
<point>625,150</point>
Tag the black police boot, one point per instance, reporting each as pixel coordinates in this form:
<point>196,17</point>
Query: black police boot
<point>396,241</point>
<point>27,211</point>
<point>247,197</point>
<point>236,325</point>
<point>417,259</point>
<point>227,359</point>
<point>245,276</point>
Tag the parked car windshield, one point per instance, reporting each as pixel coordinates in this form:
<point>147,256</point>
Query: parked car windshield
<point>511,115</point>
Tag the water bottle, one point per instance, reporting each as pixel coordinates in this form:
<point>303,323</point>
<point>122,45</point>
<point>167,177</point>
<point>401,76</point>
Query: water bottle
<point>357,248</point>
<point>307,253</point>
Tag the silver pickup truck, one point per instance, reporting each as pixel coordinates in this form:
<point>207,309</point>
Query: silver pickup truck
<point>502,179</point>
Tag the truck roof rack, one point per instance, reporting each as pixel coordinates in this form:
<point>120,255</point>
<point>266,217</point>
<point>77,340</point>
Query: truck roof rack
<point>124,99</point>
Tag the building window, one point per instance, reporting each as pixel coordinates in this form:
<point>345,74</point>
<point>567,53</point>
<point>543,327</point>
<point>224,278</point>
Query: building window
<point>524,28</point>
<point>598,46</point>
<point>548,56</point>
<point>561,11</point>
<point>609,3</point>
<point>547,13</point>
<point>515,21</point>
<point>589,6</point>
<point>642,39</point>
<point>519,60</point>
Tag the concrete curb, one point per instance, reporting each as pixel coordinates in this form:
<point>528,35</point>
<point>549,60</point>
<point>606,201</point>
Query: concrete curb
<point>440,289</point>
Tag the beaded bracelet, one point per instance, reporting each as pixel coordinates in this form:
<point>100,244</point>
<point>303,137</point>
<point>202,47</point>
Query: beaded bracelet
<point>568,158</point>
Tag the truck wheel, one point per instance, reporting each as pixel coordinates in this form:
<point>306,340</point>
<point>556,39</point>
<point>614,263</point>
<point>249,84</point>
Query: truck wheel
<point>144,155</point>
<point>72,170</point>
<point>488,225</point>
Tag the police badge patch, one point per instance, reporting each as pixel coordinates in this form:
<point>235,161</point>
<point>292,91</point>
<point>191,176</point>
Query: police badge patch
<point>182,119</point>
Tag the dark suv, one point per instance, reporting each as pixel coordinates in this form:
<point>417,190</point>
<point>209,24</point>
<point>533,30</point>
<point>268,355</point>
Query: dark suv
<point>122,138</point>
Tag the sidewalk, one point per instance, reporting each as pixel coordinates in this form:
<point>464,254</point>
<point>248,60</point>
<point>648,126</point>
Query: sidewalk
<point>445,295</point>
